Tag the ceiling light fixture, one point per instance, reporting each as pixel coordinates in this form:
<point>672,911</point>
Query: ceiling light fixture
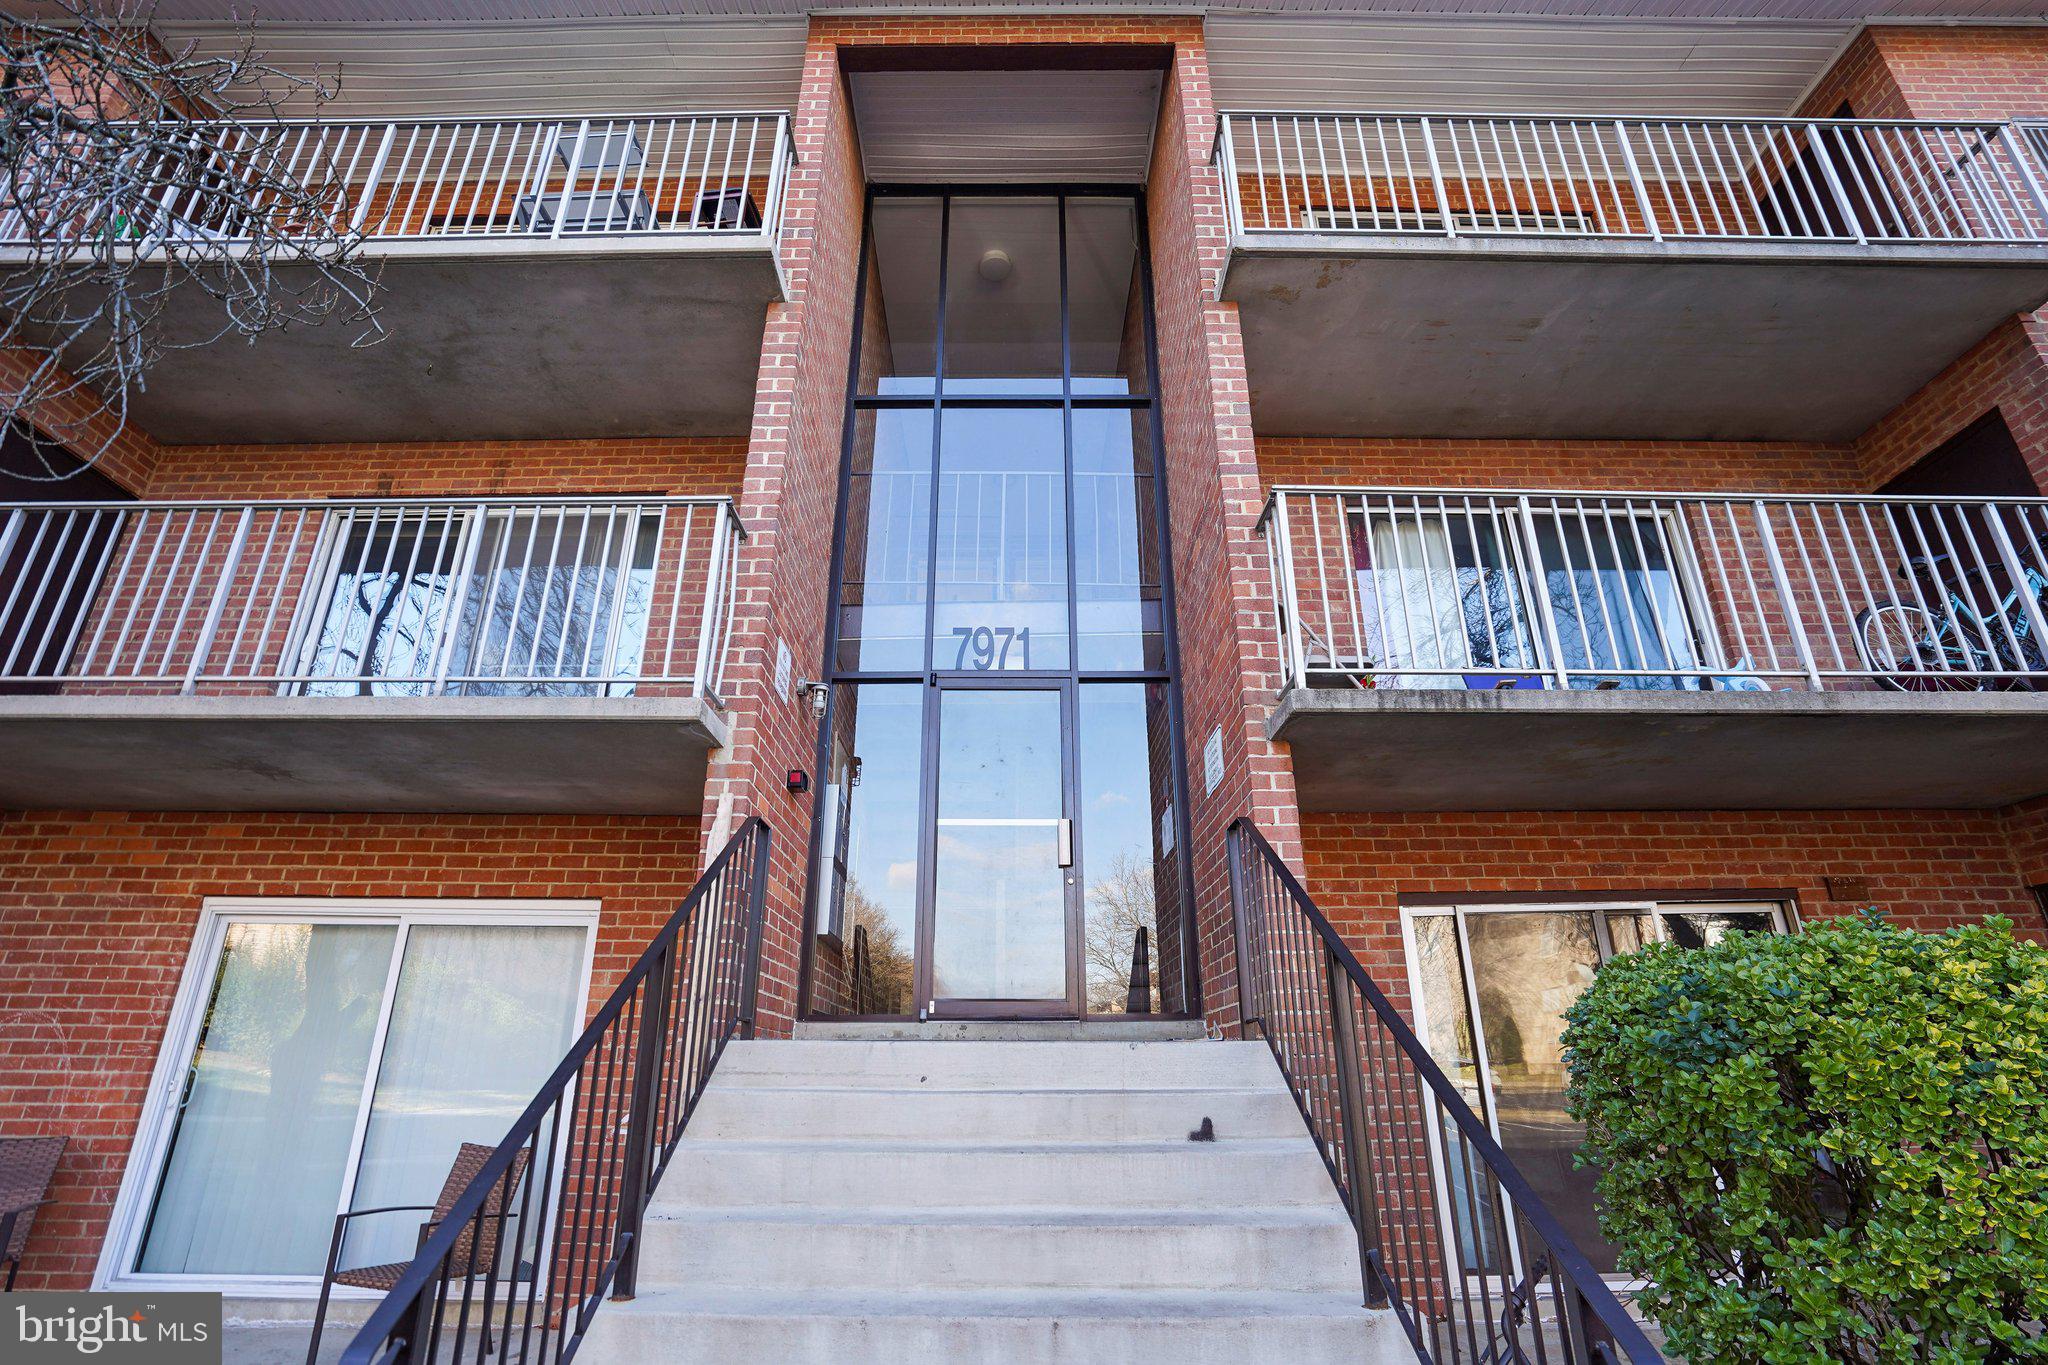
<point>995,265</point>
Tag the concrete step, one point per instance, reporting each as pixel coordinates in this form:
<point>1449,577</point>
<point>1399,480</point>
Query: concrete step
<point>1310,1250</point>
<point>999,1066</point>
<point>917,1174</point>
<point>1006,1030</point>
<point>791,1113</point>
<point>1016,1328</point>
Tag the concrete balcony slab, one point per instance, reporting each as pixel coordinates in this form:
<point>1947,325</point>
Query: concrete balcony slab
<point>546,755</point>
<point>1428,750</point>
<point>1382,335</point>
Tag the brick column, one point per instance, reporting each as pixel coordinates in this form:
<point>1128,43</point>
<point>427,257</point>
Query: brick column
<point>1229,659</point>
<point>787,504</point>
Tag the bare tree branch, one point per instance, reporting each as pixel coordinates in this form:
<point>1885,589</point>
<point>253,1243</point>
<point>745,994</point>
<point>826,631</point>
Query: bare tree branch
<point>131,172</point>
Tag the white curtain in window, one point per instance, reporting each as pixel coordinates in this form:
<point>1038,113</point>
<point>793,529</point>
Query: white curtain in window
<point>481,1015</point>
<point>260,1150</point>
<point>1414,613</point>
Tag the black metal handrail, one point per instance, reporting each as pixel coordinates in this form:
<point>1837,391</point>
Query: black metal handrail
<point>1450,1234</point>
<point>597,1138</point>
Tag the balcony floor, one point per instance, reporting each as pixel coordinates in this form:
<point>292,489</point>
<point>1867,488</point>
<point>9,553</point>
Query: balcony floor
<point>509,339</point>
<point>1554,338</point>
<point>1427,750</point>
<point>550,755</point>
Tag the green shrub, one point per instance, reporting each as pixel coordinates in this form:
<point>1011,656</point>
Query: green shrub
<point>1826,1146</point>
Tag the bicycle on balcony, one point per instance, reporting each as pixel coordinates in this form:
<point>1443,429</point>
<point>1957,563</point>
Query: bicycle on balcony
<point>1961,632</point>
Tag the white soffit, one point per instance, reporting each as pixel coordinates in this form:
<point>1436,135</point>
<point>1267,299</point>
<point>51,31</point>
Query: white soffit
<point>1510,65</point>
<point>510,67</point>
<point>1006,126</point>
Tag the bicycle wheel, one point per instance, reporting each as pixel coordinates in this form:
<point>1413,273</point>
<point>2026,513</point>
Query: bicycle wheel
<point>1903,646</point>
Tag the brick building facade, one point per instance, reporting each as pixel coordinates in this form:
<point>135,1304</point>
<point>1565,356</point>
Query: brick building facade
<point>1586,780</point>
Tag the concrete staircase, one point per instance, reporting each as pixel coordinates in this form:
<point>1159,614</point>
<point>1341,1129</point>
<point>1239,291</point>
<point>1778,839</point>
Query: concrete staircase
<point>903,1200</point>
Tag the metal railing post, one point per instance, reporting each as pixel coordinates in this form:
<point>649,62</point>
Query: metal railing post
<point>1436,176</point>
<point>1635,178</point>
<point>778,175</point>
<point>210,627</point>
<point>1539,593</point>
<point>2022,154</point>
<point>376,175</point>
<point>1240,896</point>
<point>1297,655</point>
<point>2016,571</point>
<point>1365,1204</point>
<point>714,578</point>
<point>757,914</point>
<point>569,183</point>
<point>641,1137</point>
<point>1851,220</point>
<point>1794,621</point>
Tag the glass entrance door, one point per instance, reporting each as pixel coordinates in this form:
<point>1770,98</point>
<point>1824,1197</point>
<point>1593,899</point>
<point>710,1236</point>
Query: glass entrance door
<point>1001,866</point>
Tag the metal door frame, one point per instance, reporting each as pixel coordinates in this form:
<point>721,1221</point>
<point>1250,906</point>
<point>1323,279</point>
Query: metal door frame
<point>928,1004</point>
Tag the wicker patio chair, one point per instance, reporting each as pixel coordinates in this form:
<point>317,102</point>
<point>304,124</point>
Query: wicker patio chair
<point>27,1165</point>
<point>469,1257</point>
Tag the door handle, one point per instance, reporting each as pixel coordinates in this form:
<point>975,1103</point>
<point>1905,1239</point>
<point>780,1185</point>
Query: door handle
<point>1066,843</point>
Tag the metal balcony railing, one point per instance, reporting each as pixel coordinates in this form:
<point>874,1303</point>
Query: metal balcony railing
<point>646,175</point>
<point>389,597</point>
<point>1451,1235</point>
<point>562,1200</point>
<point>1857,181</point>
<point>1458,588</point>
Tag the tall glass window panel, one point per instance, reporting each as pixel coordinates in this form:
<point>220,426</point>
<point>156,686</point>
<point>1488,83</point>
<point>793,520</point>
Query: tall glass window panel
<point>888,542</point>
<point>480,1015</point>
<point>900,312</point>
<point>1527,969</point>
<point>1001,569</point>
<point>1440,596</point>
<point>1129,876</point>
<point>1116,541</point>
<point>557,596</point>
<point>1105,300</point>
<point>868,831</point>
<point>1003,297</point>
<point>1618,596</point>
<point>1448,1034</point>
<point>256,1162</point>
<point>526,602</point>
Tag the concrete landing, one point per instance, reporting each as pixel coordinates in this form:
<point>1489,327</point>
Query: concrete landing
<point>1006,1031</point>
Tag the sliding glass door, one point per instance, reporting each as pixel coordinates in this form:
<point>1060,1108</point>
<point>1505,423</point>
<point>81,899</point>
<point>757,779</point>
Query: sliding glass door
<point>1492,984</point>
<point>337,1059</point>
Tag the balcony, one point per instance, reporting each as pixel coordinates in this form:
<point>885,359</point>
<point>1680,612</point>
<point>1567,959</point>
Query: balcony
<point>604,276</point>
<point>1464,650</point>
<point>1425,275</point>
<point>535,655</point>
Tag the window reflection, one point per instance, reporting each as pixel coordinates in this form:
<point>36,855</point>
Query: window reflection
<point>1000,580</point>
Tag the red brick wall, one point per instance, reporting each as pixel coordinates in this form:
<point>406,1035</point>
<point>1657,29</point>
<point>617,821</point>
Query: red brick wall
<point>1645,466</point>
<point>1926,869</point>
<point>1229,667</point>
<point>2007,370</point>
<point>649,465</point>
<point>1954,73</point>
<point>125,454</point>
<point>791,488</point>
<point>97,913</point>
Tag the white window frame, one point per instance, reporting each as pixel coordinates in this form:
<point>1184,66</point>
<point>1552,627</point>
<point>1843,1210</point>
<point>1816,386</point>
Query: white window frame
<point>1787,923</point>
<point>121,1246</point>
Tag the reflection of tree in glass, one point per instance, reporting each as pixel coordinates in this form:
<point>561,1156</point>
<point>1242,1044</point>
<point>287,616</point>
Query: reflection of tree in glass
<point>889,981</point>
<point>1118,906</point>
<point>533,621</point>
